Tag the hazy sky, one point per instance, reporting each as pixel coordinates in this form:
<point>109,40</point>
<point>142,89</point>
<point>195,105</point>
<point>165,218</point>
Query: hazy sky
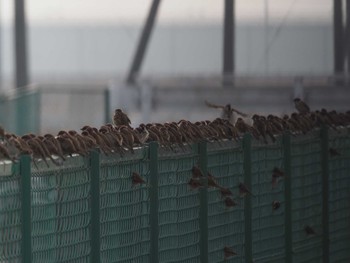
<point>171,11</point>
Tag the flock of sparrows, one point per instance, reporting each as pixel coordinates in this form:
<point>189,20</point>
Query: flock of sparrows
<point>120,137</point>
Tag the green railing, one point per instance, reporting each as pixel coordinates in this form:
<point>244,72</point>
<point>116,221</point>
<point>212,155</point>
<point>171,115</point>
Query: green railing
<point>88,210</point>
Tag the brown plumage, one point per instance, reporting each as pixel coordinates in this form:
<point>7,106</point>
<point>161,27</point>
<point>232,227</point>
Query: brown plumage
<point>301,106</point>
<point>229,252</point>
<point>137,179</point>
<point>195,183</point>
<point>276,205</point>
<point>243,190</point>
<point>120,118</point>
<point>229,202</point>
<point>196,172</point>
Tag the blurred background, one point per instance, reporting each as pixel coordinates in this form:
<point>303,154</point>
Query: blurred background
<point>64,65</point>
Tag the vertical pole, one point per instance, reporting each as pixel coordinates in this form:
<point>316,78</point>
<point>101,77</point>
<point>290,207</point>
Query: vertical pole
<point>347,41</point>
<point>325,193</point>
<point>107,95</point>
<point>286,141</point>
<point>95,206</point>
<point>338,38</point>
<point>203,207</point>
<point>142,46</point>
<point>228,43</point>
<point>154,202</point>
<point>25,172</point>
<point>20,44</point>
<point>247,166</point>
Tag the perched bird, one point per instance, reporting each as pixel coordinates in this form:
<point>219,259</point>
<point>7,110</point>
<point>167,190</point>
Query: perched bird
<point>276,175</point>
<point>227,111</point>
<point>229,252</point>
<point>243,190</point>
<point>196,172</point>
<point>4,154</point>
<point>229,202</point>
<point>120,118</point>
<point>137,179</point>
<point>225,192</point>
<point>309,231</point>
<point>334,152</point>
<point>195,183</point>
<point>276,204</point>
<point>301,106</point>
<point>212,182</point>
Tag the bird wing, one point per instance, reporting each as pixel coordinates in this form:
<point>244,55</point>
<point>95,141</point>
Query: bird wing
<point>213,105</point>
<point>239,112</point>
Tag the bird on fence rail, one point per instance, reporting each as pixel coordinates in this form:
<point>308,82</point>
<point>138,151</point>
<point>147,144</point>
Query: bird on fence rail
<point>301,106</point>
<point>212,181</point>
<point>120,118</point>
<point>227,111</point>
<point>196,172</point>
<point>4,154</point>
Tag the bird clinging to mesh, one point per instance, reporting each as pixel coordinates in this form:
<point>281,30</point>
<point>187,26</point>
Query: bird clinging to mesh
<point>227,111</point>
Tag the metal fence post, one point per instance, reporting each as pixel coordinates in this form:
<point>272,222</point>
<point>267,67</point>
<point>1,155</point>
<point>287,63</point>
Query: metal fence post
<point>107,95</point>
<point>286,144</point>
<point>247,166</point>
<point>25,172</point>
<point>154,202</point>
<point>325,192</point>
<point>95,206</point>
<point>203,206</point>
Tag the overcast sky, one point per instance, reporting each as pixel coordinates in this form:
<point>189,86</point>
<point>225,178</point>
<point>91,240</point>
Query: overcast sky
<point>171,11</point>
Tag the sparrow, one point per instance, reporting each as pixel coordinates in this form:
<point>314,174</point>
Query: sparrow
<point>195,183</point>
<point>4,154</point>
<point>120,118</point>
<point>137,179</point>
<point>309,231</point>
<point>225,192</point>
<point>243,190</point>
<point>301,106</point>
<point>229,252</point>
<point>276,175</point>
<point>229,202</point>
<point>227,111</point>
<point>334,152</point>
<point>212,182</point>
<point>276,204</point>
<point>196,172</point>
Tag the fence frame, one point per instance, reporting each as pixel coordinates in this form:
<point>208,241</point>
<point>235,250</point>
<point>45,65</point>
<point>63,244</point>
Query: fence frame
<point>201,149</point>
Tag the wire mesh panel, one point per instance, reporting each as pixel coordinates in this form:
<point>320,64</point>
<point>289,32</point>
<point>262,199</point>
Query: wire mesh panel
<point>267,202</point>
<point>61,212</point>
<point>339,196</point>
<point>306,180</point>
<point>10,214</point>
<point>225,223</point>
<point>124,214</point>
<point>178,208</point>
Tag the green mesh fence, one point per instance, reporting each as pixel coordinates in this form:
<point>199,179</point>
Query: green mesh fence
<point>162,220</point>
<point>178,208</point>
<point>267,223</point>
<point>61,212</point>
<point>124,209</point>
<point>306,197</point>
<point>10,214</point>
<point>339,196</point>
<point>225,224</point>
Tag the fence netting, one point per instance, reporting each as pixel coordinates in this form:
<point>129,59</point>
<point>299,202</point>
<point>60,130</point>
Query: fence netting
<point>61,207</point>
